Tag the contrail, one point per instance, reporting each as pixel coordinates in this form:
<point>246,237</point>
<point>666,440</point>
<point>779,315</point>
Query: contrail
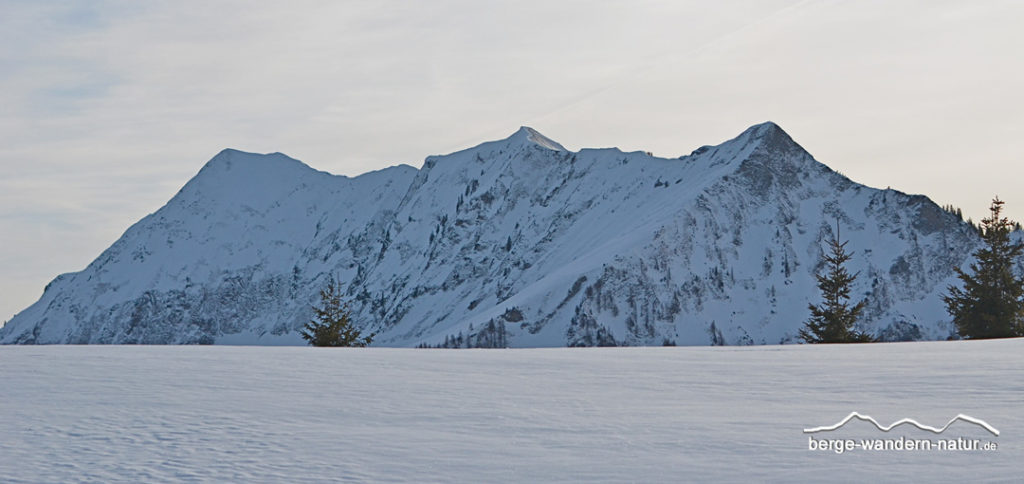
<point>640,70</point>
<point>634,72</point>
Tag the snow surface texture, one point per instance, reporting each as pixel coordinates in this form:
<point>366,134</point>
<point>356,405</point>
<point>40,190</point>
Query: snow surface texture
<point>519,243</point>
<point>233,414</point>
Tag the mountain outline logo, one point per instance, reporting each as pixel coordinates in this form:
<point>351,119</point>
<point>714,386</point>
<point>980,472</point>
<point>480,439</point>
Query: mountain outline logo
<point>867,418</point>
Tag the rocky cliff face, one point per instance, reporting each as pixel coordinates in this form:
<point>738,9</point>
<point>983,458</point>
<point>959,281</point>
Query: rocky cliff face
<point>517,242</point>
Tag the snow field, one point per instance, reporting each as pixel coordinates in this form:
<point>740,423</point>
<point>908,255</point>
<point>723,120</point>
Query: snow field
<point>293,414</point>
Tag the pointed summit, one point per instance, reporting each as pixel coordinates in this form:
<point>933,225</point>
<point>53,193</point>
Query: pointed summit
<point>766,127</point>
<point>772,138</point>
<point>529,135</point>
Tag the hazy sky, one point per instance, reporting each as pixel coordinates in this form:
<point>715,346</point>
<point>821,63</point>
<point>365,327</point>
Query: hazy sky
<point>108,107</point>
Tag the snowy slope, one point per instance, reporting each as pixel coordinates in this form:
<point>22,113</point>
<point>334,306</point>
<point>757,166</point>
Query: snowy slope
<point>255,414</point>
<point>517,242</point>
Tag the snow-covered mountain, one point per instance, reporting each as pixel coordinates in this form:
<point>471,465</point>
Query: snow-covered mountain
<point>517,242</point>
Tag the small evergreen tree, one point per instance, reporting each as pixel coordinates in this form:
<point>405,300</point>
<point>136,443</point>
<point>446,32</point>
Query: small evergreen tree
<point>833,321</point>
<point>991,303</point>
<point>331,325</point>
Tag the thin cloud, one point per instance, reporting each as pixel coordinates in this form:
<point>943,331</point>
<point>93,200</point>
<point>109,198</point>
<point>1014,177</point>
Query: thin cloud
<point>106,108</point>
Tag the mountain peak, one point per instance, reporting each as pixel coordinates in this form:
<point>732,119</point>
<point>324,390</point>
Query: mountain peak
<point>240,172</point>
<point>232,160</point>
<point>766,131</point>
<point>770,137</point>
<point>526,134</point>
<point>765,127</point>
<point>496,234</point>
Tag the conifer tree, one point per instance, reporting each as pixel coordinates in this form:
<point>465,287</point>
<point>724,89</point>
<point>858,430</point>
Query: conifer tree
<point>991,302</point>
<point>833,320</point>
<point>332,325</point>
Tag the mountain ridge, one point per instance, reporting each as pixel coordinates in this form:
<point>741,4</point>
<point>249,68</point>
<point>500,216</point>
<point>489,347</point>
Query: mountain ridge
<point>512,242</point>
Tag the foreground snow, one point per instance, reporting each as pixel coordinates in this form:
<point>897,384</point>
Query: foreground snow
<point>264,414</point>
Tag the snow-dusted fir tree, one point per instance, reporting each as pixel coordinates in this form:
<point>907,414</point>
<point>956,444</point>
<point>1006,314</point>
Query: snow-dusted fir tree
<point>834,319</point>
<point>332,325</point>
<point>991,303</point>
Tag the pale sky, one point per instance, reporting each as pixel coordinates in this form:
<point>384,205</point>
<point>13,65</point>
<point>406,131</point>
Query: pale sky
<point>108,107</point>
